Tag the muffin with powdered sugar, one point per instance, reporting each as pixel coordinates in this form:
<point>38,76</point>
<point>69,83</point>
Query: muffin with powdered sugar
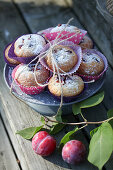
<point>27,47</point>
<point>93,64</point>
<point>64,57</point>
<point>24,77</point>
<point>61,27</point>
<point>63,31</point>
<point>86,42</point>
<point>71,86</point>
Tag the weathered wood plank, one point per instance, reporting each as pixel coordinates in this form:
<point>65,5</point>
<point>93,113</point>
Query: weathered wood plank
<point>11,27</point>
<point>10,20</point>
<point>99,29</point>
<point>37,18</point>
<point>108,86</point>
<point>55,161</point>
<point>27,117</point>
<point>99,113</point>
<point>63,17</point>
<point>43,14</point>
<point>102,8</point>
<point>7,157</point>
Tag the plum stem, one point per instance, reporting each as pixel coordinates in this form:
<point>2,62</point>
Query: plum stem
<point>85,120</point>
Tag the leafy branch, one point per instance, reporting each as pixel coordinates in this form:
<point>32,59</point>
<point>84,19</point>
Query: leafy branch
<point>79,123</point>
<point>101,143</point>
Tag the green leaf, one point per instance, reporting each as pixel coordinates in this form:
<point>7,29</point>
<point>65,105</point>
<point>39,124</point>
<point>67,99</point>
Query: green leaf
<point>90,102</point>
<point>93,100</point>
<point>56,128</point>
<point>76,108</point>
<point>67,137</point>
<point>110,114</point>
<point>101,145</point>
<point>93,132</point>
<point>28,133</point>
<point>42,120</point>
<point>58,116</point>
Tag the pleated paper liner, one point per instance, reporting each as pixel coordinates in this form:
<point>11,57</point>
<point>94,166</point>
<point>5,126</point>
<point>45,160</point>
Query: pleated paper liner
<point>76,49</point>
<point>90,77</point>
<point>13,62</point>
<point>32,90</point>
<point>75,39</point>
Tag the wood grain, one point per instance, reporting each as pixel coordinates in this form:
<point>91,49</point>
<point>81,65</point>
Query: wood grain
<point>7,157</point>
<point>40,15</point>
<point>99,28</point>
<point>23,16</point>
<point>20,116</point>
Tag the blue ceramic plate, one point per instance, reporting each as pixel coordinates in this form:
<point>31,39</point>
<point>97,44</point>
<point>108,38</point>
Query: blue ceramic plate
<point>46,103</point>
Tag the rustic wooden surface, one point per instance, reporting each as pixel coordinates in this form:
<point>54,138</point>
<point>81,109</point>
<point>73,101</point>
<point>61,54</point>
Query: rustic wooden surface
<point>99,28</point>
<point>7,157</point>
<point>31,16</point>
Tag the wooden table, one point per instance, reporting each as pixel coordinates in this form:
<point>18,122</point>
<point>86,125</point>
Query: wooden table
<point>19,17</point>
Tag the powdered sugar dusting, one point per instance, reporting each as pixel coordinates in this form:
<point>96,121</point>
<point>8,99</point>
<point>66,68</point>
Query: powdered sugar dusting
<point>69,82</point>
<point>90,57</point>
<point>31,43</point>
<point>73,82</point>
<point>69,28</point>
<point>22,69</point>
<point>62,55</point>
<point>25,70</point>
<point>77,51</point>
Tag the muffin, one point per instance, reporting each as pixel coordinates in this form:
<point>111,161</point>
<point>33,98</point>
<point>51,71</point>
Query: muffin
<point>24,77</point>
<point>9,60</point>
<point>64,56</point>
<point>61,27</point>
<point>86,42</point>
<point>70,33</point>
<point>71,85</point>
<point>29,45</point>
<point>92,64</point>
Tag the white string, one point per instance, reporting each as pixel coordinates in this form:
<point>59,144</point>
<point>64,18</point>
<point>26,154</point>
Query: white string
<point>55,66</point>
<point>63,29</point>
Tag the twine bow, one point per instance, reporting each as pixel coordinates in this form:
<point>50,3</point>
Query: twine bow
<point>56,69</point>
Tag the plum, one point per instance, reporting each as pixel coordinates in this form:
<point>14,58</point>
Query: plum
<point>74,152</point>
<point>43,144</point>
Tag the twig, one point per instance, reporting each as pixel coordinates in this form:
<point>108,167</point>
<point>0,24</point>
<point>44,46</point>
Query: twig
<point>79,123</point>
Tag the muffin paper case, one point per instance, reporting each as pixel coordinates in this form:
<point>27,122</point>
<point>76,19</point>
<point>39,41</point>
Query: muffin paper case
<point>76,39</point>
<point>76,49</point>
<point>6,58</point>
<point>87,77</point>
<point>32,90</point>
<point>24,60</point>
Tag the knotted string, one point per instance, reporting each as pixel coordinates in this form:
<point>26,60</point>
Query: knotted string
<point>56,69</point>
<point>54,62</point>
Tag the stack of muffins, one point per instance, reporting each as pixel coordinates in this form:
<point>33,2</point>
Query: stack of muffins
<point>67,62</point>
